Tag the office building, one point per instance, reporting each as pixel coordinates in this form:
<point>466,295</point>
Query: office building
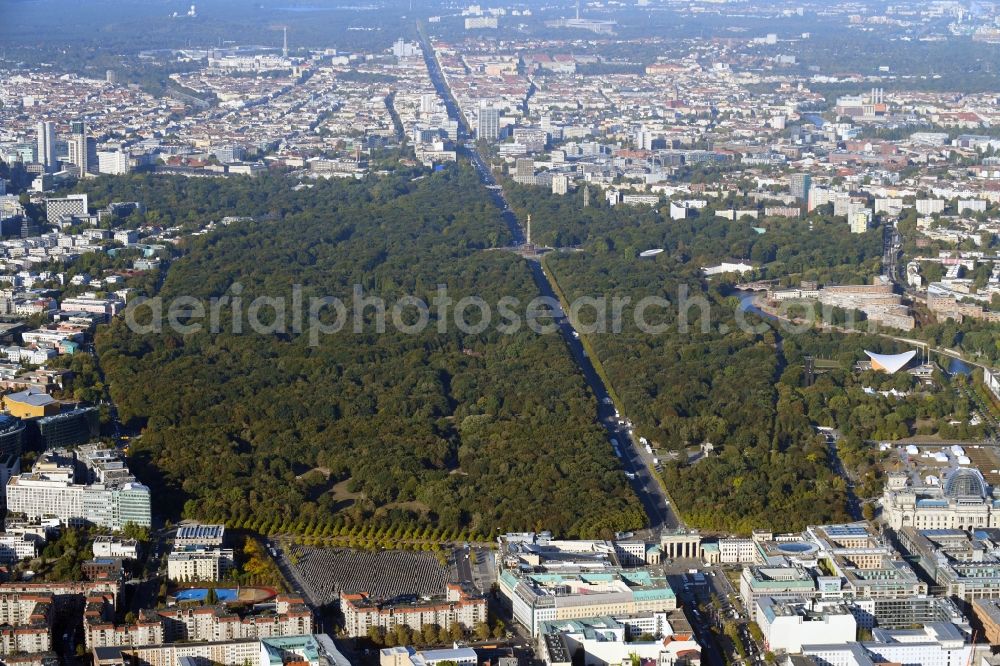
<point>878,587</point>
<point>787,624</point>
<point>90,303</point>
<point>533,139</point>
<point>859,220</point>
<point>641,199</point>
<point>25,153</point>
<point>80,489</point>
<point>735,550</point>
<point>229,154</point>
<point>199,563</point>
<point>878,301</point>
<point>481,22</point>
<point>524,167</point>
<point>936,644</point>
<point>930,206</point>
<point>10,465</point>
<point>407,656</point>
<point>116,547</point>
<point>799,185</point>
<point>536,598</point>
<point>777,582</point>
<point>988,613</point>
<point>456,606</point>
<point>77,426</point>
<point>16,547</point>
<point>965,564</point>
<point>679,210</point>
<point>11,436</point>
<point>905,612</point>
<point>631,553</point>
<point>560,183</point>
<point>889,206</point>
<point>488,121</point>
<point>46,151</point>
<point>524,171</point>
<point>606,641</point>
<point>657,625</point>
<point>82,149</point>
<point>404,49</point>
<point>73,205</point>
<point>113,162</point>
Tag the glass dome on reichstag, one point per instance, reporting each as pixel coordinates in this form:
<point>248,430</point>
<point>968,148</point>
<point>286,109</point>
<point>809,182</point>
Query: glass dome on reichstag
<point>965,482</point>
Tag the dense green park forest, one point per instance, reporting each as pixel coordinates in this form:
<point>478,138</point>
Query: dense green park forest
<point>828,253</point>
<point>739,382</point>
<point>471,432</point>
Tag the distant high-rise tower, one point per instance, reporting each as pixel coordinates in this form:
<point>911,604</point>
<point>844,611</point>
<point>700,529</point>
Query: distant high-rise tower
<point>528,236</point>
<point>428,103</point>
<point>799,185</point>
<point>111,76</point>
<point>82,149</point>
<point>586,196</point>
<point>560,184</point>
<point>284,44</point>
<point>488,124</point>
<point>47,145</point>
<point>524,168</point>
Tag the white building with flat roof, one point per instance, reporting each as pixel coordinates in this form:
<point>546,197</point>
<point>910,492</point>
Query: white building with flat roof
<point>107,496</point>
<point>16,547</point>
<point>737,551</point>
<point>407,656</point>
<point>111,546</point>
<point>205,564</point>
<point>936,644</point>
<point>787,624</point>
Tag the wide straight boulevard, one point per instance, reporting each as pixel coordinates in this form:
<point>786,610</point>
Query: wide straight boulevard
<point>636,461</point>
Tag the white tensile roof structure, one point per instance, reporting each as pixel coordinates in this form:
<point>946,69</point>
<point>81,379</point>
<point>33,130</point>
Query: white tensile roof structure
<point>890,363</point>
